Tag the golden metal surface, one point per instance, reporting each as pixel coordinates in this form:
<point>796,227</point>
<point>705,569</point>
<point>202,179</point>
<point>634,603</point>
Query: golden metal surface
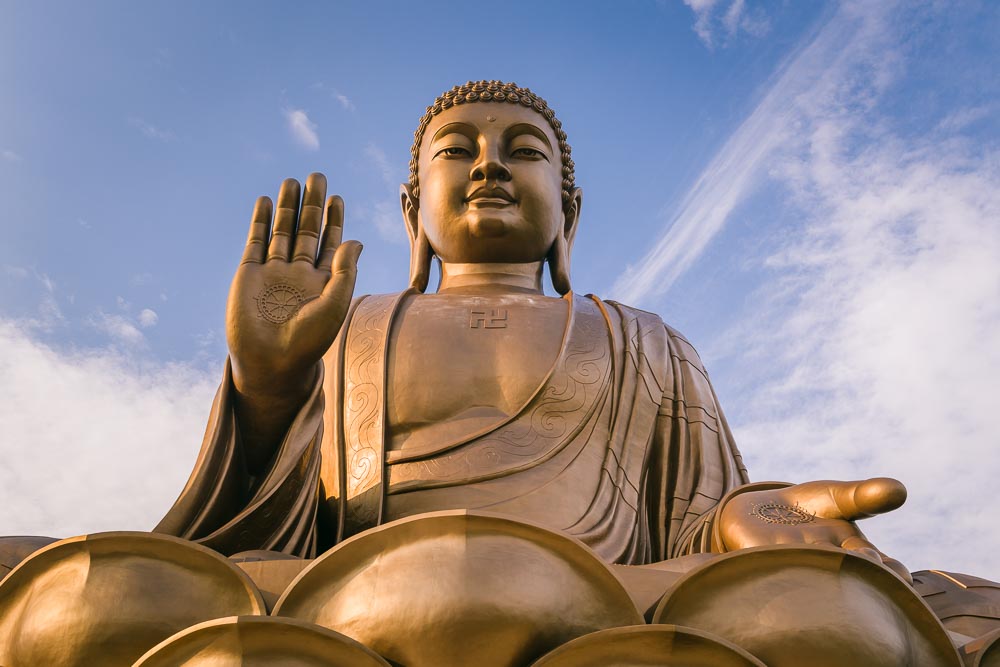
<point>649,646</point>
<point>796,605</point>
<point>105,599</point>
<point>823,512</point>
<point>460,588</point>
<point>965,604</point>
<point>259,641</point>
<point>14,549</point>
<point>984,651</point>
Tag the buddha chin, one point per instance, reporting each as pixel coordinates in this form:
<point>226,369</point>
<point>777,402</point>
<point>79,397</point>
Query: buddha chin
<point>491,215</point>
<point>487,225</point>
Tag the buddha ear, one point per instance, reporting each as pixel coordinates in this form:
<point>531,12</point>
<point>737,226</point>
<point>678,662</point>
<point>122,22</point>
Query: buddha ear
<point>420,247</point>
<point>559,255</point>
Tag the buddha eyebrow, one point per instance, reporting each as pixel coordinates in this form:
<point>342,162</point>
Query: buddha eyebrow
<point>451,128</point>
<point>527,128</point>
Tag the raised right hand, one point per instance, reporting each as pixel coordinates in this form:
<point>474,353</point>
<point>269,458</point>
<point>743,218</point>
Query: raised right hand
<point>291,292</point>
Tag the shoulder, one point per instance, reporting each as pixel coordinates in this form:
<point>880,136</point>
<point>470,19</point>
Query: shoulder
<point>677,343</point>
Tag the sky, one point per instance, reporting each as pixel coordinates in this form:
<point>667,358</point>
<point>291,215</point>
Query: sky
<point>810,192</point>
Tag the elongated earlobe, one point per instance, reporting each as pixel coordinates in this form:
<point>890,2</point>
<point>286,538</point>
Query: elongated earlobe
<point>562,248</point>
<point>420,248</point>
<point>420,261</point>
<point>559,266</point>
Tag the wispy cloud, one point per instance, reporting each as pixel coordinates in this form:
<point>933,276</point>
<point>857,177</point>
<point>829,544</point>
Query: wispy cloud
<point>150,130</point>
<point>122,327</point>
<point>388,222</point>
<point>742,162</point>
<point>147,318</point>
<point>119,328</point>
<point>878,337</point>
<point>381,162</point>
<point>18,272</point>
<point>872,347</point>
<point>385,215</point>
<point>48,316</point>
<point>343,100</point>
<point>10,155</point>
<point>302,129</point>
<point>728,18</point>
<point>120,435</point>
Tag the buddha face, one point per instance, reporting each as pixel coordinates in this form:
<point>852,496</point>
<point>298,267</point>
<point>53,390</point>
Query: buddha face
<point>491,185</point>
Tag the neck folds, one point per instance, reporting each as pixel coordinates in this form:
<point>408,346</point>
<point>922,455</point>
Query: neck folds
<point>491,277</point>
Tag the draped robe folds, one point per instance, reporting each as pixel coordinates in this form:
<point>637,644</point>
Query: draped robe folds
<point>623,445</point>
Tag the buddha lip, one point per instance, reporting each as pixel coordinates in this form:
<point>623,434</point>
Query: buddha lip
<point>490,193</point>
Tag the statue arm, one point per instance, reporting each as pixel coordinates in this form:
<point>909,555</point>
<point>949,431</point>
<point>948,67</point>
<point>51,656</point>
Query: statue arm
<point>705,502</point>
<point>694,461</point>
<point>228,508</point>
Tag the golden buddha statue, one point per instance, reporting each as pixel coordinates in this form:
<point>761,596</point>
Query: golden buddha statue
<point>556,439</point>
<point>590,417</point>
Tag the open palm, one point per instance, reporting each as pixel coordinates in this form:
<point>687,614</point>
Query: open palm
<point>293,288</point>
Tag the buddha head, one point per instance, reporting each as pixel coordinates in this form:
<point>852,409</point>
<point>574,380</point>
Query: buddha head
<point>491,181</point>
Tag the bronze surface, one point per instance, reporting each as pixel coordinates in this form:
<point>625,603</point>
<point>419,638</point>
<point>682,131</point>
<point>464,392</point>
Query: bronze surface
<point>984,651</point>
<point>794,605</point>
<point>649,646</point>
<point>259,641</point>
<point>105,599</point>
<point>457,587</point>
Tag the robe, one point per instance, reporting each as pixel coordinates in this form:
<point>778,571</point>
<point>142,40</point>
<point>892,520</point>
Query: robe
<point>623,445</point>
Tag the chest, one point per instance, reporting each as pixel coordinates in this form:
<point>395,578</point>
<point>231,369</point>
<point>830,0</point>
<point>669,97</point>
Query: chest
<point>455,361</point>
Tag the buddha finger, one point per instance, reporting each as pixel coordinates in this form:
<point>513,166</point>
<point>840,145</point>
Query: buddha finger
<point>866,498</point>
<point>310,219</point>
<point>260,230</point>
<point>335,298</point>
<point>332,232</point>
<point>897,567</point>
<point>284,220</point>
<point>862,547</point>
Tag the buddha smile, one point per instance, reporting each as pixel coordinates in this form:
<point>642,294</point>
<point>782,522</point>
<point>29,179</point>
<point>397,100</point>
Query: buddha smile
<point>490,198</point>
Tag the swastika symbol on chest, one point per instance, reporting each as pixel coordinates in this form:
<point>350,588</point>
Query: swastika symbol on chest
<point>493,319</point>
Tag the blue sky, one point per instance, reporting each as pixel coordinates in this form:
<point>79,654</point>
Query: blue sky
<point>809,191</point>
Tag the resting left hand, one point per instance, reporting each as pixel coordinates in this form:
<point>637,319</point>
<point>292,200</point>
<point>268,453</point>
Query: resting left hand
<point>822,512</point>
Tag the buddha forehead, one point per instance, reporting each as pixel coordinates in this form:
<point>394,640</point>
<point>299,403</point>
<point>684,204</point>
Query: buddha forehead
<point>498,120</point>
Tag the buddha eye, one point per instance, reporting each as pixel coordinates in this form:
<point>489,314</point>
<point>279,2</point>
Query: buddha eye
<point>453,151</point>
<point>530,153</point>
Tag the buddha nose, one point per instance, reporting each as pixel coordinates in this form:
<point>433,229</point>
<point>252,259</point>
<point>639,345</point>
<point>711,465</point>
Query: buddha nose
<point>490,166</point>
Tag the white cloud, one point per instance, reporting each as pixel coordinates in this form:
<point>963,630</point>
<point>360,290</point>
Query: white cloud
<point>10,155</point>
<point>93,440</point>
<point>385,215</point>
<point>345,101</point>
<point>388,222</point>
<point>147,318</point>
<point>151,131</point>
<point>874,347</point>
<point>303,130</point>
<point>742,163</point>
<point>18,272</point>
<point>381,162</point>
<point>887,361</point>
<point>119,327</point>
<point>49,315</point>
<point>961,118</point>
<point>735,17</point>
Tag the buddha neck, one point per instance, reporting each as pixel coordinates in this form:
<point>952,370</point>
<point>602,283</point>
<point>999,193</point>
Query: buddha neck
<point>491,278</point>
